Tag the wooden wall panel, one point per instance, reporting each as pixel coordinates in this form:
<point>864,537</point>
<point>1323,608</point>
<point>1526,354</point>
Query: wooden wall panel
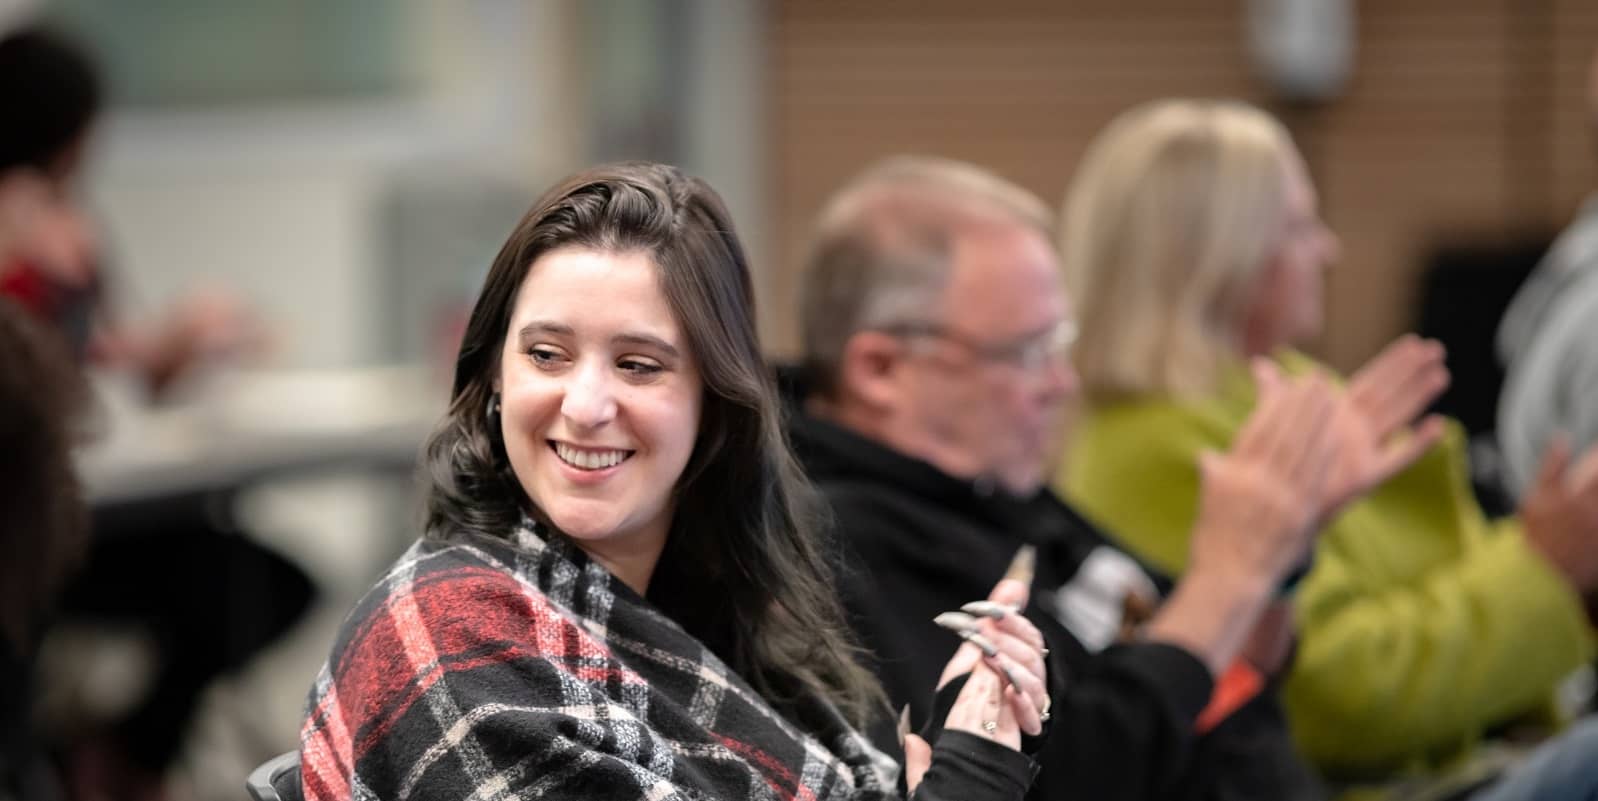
<point>1016,86</point>
<point>1463,120</point>
<point>1572,139</point>
<point>1410,156</point>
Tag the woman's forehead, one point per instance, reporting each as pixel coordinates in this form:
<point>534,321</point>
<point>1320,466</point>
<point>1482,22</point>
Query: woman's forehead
<point>586,289</point>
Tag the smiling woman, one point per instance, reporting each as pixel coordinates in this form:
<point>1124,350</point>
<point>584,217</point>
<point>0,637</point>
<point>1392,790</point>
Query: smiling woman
<point>600,406</point>
<point>619,592</point>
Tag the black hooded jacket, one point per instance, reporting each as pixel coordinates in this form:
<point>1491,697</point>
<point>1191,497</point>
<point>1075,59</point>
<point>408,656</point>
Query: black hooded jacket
<point>917,542</point>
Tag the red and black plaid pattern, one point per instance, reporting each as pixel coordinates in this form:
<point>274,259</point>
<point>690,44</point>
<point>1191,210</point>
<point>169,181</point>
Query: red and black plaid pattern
<point>521,669</point>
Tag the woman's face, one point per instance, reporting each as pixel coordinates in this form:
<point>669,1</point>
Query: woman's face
<point>600,397</point>
<point>1289,304</point>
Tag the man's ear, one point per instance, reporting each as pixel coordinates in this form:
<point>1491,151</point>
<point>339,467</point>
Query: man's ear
<point>871,371</point>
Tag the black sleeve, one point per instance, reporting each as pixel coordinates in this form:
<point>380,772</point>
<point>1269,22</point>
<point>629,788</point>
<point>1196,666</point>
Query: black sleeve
<point>1123,724</point>
<point>966,767</point>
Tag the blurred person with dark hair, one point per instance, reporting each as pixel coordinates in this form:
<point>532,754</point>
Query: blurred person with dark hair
<point>171,567</point>
<point>42,527</point>
<point>936,340</point>
<point>1548,343</point>
<point>51,97</point>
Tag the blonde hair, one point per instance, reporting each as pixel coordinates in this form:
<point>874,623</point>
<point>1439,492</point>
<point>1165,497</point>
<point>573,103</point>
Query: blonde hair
<point>880,253</point>
<point>1169,221</point>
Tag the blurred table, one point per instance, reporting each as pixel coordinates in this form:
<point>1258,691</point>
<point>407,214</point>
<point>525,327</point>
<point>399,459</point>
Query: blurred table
<point>171,558</point>
<point>248,426</point>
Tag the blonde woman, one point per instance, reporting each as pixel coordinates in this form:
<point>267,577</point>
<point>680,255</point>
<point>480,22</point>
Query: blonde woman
<point>1192,242</point>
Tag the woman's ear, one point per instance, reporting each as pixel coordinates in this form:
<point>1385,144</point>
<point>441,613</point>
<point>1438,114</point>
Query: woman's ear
<point>492,424</point>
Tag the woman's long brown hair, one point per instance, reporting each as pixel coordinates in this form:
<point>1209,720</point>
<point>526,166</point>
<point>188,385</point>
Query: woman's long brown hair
<point>744,569</point>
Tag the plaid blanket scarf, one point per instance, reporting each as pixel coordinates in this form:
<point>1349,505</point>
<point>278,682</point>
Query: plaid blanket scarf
<point>522,669</point>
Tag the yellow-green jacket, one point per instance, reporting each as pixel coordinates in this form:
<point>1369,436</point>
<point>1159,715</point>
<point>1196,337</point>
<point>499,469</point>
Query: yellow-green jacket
<point>1421,624</point>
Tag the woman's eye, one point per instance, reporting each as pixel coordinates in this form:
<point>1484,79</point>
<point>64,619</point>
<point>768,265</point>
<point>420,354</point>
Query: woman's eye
<point>545,357</point>
<point>638,367</point>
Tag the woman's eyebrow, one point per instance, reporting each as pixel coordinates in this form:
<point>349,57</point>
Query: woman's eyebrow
<point>545,327</point>
<point>649,340</point>
<point>624,338</point>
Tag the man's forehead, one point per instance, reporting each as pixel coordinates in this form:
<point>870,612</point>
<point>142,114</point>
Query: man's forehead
<point>1003,267</point>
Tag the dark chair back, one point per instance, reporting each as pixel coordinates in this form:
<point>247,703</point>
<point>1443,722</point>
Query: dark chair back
<point>277,779</point>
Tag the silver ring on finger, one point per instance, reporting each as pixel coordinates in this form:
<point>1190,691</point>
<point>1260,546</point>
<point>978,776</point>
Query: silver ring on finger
<point>991,727</point>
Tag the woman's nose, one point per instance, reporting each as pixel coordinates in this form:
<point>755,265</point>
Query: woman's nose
<point>589,401</point>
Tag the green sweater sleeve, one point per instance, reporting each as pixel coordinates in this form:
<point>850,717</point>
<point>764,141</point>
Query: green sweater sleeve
<point>1134,470</point>
<point>1390,673</point>
<point>1420,623</point>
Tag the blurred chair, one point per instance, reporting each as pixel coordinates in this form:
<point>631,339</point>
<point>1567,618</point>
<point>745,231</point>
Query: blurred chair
<point>277,779</point>
<point>1462,296</point>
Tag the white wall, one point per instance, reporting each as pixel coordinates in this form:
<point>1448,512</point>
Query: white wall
<point>281,203</point>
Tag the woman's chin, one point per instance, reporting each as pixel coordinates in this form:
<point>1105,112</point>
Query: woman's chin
<point>595,520</point>
<point>585,519</point>
<point>584,528</point>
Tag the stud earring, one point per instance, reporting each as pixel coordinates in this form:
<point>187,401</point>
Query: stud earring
<point>491,412</point>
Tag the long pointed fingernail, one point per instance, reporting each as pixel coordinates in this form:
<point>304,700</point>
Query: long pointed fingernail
<point>1004,671</point>
<point>987,648</point>
<point>992,609</point>
<point>904,724</point>
<point>1023,565</point>
<point>957,622</point>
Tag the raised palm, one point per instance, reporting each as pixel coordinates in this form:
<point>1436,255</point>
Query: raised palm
<point>1375,419</point>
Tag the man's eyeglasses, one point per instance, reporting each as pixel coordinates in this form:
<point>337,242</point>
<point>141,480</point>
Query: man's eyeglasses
<point>1031,352</point>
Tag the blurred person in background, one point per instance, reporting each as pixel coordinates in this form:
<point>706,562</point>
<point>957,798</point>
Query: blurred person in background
<point>1547,342</point>
<point>170,568</point>
<point>43,528</point>
<point>1192,242</point>
<point>936,384</point>
<point>50,96</point>
<point>621,591</point>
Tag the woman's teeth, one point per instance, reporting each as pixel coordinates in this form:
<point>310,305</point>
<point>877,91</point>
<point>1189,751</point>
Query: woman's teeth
<point>589,460</point>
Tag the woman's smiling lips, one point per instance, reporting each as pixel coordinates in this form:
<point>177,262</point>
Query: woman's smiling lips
<point>588,464</point>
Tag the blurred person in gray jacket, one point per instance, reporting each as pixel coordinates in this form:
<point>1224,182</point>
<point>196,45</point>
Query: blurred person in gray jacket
<point>1549,342</point>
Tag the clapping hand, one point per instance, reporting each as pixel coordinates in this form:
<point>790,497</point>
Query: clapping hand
<point>1007,691</point>
<point>1374,421</point>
